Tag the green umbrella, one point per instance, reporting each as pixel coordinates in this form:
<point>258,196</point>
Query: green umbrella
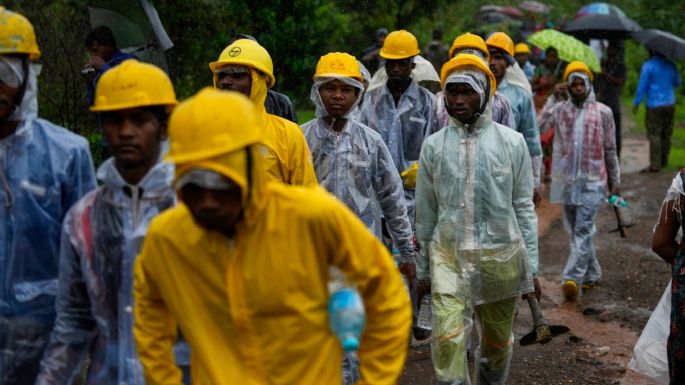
<point>568,47</point>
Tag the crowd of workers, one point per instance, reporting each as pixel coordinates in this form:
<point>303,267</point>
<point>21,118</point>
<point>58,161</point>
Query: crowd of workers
<point>158,274</point>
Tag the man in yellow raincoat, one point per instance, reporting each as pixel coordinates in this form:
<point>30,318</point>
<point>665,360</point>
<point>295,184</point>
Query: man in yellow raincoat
<point>246,67</point>
<point>242,266</point>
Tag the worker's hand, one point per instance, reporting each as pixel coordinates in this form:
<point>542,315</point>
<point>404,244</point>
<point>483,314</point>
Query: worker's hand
<point>423,288</point>
<point>538,290</point>
<point>96,62</point>
<point>561,91</point>
<point>635,108</point>
<point>409,271</point>
<point>615,190</point>
<point>537,199</point>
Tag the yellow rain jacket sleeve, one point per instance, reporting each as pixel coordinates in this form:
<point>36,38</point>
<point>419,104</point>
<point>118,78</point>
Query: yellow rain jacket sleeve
<point>288,159</point>
<point>254,309</point>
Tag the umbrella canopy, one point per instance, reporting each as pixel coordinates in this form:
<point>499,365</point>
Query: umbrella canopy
<point>534,6</point>
<point>665,43</point>
<point>603,26</point>
<point>599,9</point>
<point>568,47</point>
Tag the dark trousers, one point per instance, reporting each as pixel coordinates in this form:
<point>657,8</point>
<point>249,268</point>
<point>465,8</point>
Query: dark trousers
<point>659,123</point>
<point>22,341</point>
<point>616,112</point>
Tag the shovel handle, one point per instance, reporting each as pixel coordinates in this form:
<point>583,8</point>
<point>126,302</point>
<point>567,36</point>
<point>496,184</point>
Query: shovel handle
<point>538,318</point>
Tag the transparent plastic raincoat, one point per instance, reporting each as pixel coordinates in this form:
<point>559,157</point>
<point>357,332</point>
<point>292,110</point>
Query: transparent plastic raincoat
<point>44,169</point>
<point>403,127</point>
<point>584,155</point>
<point>255,310</point>
<point>478,233</point>
<point>101,236</point>
<point>288,159</point>
<point>521,103</point>
<point>356,167</point>
<point>584,160</point>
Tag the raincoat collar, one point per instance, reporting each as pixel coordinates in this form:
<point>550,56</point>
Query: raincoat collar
<point>155,183</point>
<point>323,130</point>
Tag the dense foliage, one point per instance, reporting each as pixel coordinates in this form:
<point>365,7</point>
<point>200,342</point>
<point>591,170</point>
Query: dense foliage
<point>296,33</point>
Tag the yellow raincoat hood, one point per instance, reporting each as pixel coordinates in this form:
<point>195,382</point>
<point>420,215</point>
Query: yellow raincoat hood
<point>288,159</point>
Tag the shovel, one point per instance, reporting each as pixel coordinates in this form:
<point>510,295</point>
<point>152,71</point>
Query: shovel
<point>542,332</point>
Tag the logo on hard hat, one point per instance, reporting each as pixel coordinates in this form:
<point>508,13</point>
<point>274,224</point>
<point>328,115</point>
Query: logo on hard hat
<point>235,51</point>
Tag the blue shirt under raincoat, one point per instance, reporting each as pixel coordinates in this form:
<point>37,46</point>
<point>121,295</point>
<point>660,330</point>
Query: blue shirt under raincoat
<point>658,79</point>
<point>356,167</point>
<point>101,236</point>
<point>403,127</point>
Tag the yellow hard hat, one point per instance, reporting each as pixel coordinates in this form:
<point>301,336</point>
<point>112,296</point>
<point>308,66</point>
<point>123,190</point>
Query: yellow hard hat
<point>338,64</point>
<point>212,123</point>
<point>577,66</point>
<point>248,53</point>
<point>133,84</point>
<point>522,48</point>
<point>501,40</point>
<point>400,45</point>
<point>464,60</point>
<point>469,40</point>
<point>16,35</point>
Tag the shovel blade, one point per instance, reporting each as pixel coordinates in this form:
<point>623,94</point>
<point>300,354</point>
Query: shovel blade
<point>538,336</point>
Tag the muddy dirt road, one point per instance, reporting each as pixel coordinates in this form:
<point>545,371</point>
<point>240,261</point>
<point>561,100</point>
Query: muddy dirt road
<point>606,321</point>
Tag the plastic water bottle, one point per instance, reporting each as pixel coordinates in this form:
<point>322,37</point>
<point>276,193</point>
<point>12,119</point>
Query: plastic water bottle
<point>346,311</point>
<point>423,324</point>
<point>617,201</point>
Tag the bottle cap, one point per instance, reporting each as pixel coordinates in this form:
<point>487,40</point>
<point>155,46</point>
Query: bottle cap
<point>350,344</point>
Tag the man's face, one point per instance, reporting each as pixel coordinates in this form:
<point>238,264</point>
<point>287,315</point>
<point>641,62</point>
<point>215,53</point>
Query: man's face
<point>134,136</point>
<point>338,97</point>
<point>551,58</point>
<point>498,64</point>
<point>234,78</point>
<point>101,50</point>
<point>462,102</point>
<point>214,210</point>
<point>380,39</point>
<point>578,90</point>
<point>399,71</point>
<point>521,58</point>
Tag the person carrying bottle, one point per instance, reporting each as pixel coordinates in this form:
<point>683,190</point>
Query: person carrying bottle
<point>103,232</point>
<point>44,169</point>
<point>478,234</point>
<point>585,169</point>
<point>254,311</point>
<point>246,67</point>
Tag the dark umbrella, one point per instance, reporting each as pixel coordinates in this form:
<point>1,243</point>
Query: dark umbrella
<point>667,44</point>
<point>535,6</point>
<point>603,26</point>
